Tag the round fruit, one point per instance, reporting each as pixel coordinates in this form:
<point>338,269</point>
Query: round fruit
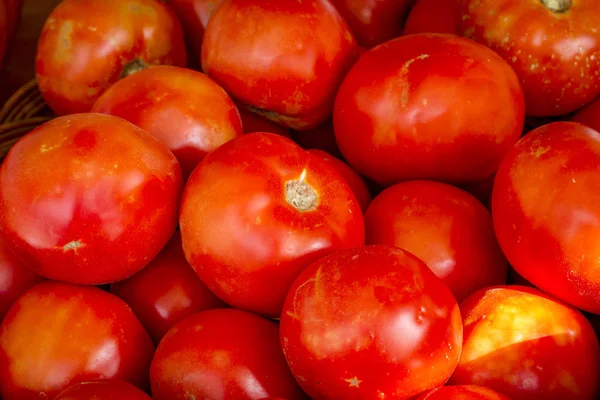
<point>58,334</point>
<point>464,392</point>
<point>428,106</point>
<point>103,389</point>
<point>186,110</point>
<point>88,199</point>
<point>589,115</point>
<point>13,16</point>
<point>432,16</point>
<point>288,73</point>
<point>222,355</point>
<point>546,211</point>
<point>87,45</point>
<point>370,323</point>
<point>445,227</point>
<point>527,345</point>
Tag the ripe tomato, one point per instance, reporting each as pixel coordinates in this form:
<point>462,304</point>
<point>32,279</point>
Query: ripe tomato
<point>352,178</point>
<point>290,71</point>
<point>255,123</point>
<point>589,115</point>
<point>370,323</point>
<point>86,45</point>
<point>464,392</point>
<point>320,138</point>
<point>428,106</point>
<point>445,227</point>
<point>57,334</point>
<point>221,354</point>
<point>13,16</point>
<point>15,279</point>
<point>88,199</point>
<point>553,45</point>
<point>257,211</point>
<point>374,22</point>
<point>186,110</point>
<point>166,291</point>
<point>103,389</point>
<point>432,16</point>
<point>527,345</point>
<point>546,211</point>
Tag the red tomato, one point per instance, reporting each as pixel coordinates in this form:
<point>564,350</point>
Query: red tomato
<point>104,389</point>
<point>370,323</point>
<point>254,123</point>
<point>352,178</point>
<point>58,334</point>
<point>445,227</point>
<point>428,106</point>
<point>15,279</point>
<point>88,199</point>
<point>464,392</point>
<point>161,98</point>
<point>553,45</point>
<point>290,71</point>
<point>221,354</point>
<point>77,61</point>
<point>546,211</point>
<point>523,343</point>
<point>257,211</point>
<point>374,22</point>
<point>589,115</point>
<point>13,14</point>
<point>432,16</point>
<point>320,138</point>
<point>166,291</point>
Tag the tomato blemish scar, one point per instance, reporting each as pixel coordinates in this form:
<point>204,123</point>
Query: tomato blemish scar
<point>300,194</point>
<point>353,382</point>
<point>557,6</point>
<point>74,245</point>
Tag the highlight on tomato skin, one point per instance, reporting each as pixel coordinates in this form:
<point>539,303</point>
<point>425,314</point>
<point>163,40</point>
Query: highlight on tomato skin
<point>527,345</point>
<point>103,389</point>
<point>463,392</point>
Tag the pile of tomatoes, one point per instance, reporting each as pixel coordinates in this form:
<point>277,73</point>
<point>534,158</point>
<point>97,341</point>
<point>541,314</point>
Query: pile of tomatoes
<point>306,199</point>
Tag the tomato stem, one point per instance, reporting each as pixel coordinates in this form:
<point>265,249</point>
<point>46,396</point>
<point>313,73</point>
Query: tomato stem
<point>133,67</point>
<point>301,195</point>
<point>557,6</point>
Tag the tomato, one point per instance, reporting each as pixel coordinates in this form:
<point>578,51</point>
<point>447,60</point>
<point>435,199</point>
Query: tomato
<point>88,199</point>
<point>546,214</point>
<point>482,190</point>
<point>255,123</point>
<point>370,323</point>
<point>589,115</point>
<point>432,16</point>
<point>86,45</point>
<point>160,98</point>
<point>58,334</point>
<point>15,279</point>
<point>291,71</point>
<point>13,15</point>
<point>443,226</point>
<point>257,211</point>
<point>103,389</point>
<point>222,354</point>
<point>374,22</point>
<point>166,291</point>
<point>428,106</point>
<point>352,178</point>
<point>527,345</point>
<point>320,138</point>
<point>463,392</point>
<point>553,45</point>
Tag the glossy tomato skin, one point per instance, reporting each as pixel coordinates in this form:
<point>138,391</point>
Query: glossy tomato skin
<point>222,354</point>
<point>257,211</point>
<point>292,70</point>
<point>166,291</point>
<point>370,323</point>
<point>445,227</point>
<point>15,279</point>
<point>77,61</point>
<point>463,392</point>
<point>186,110</point>
<point>103,389</point>
<point>546,212</point>
<point>352,178</point>
<point>555,54</point>
<point>589,115</point>
<point>432,16</point>
<point>88,199</point>
<point>527,345</point>
<point>420,107</point>
<point>374,22</point>
<point>58,334</point>
<point>255,123</point>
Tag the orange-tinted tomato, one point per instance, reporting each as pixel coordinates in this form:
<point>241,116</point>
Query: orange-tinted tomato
<point>432,16</point>
<point>527,345</point>
<point>58,334</point>
<point>222,354</point>
<point>589,115</point>
<point>446,227</point>
<point>166,291</point>
<point>186,110</point>
<point>88,198</point>
<point>86,45</point>
<point>103,389</point>
<point>463,392</point>
<point>370,323</point>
